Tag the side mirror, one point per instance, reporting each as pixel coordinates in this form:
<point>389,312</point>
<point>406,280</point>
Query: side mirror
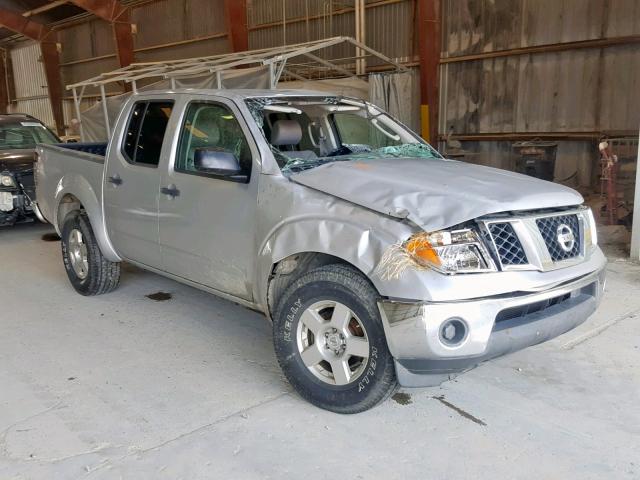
<point>217,162</point>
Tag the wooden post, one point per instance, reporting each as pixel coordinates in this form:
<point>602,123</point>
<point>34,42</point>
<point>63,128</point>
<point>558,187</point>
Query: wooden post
<point>429,51</point>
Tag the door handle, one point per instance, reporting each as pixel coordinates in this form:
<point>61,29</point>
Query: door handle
<point>116,180</point>
<point>171,190</point>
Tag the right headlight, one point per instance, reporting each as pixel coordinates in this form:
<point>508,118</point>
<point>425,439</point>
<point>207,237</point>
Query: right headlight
<point>7,180</point>
<point>590,231</point>
<point>450,251</point>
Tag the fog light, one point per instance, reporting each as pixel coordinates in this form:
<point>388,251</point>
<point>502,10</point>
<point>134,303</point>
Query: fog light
<point>453,332</point>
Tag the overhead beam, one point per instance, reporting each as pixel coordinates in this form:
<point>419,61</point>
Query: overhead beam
<point>236,20</point>
<point>50,57</point>
<point>119,16</point>
<point>429,52</point>
<point>44,8</point>
<point>547,48</point>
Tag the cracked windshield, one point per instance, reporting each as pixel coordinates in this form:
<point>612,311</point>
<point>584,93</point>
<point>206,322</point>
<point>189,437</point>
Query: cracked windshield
<point>308,132</point>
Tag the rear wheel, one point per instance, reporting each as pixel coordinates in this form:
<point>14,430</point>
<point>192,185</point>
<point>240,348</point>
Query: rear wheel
<point>88,271</point>
<point>330,342</point>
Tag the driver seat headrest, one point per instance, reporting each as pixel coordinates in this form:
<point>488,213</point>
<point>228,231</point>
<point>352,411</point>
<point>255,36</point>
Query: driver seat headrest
<point>286,132</point>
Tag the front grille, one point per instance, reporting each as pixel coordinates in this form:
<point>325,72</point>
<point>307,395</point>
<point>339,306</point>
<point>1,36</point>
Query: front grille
<point>508,246</point>
<point>548,227</point>
<point>524,310</point>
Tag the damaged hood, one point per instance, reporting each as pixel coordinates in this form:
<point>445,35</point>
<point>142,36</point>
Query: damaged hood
<point>16,160</point>
<point>434,193</point>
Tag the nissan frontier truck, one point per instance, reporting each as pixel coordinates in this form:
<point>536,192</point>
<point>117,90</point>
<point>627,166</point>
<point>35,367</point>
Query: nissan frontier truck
<point>379,262</point>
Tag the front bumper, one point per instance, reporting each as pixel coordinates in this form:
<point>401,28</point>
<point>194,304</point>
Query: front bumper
<point>494,326</point>
<point>14,207</point>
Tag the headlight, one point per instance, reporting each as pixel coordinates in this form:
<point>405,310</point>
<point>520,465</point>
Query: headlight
<point>456,251</point>
<point>590,231</point>
<point>7,181</point>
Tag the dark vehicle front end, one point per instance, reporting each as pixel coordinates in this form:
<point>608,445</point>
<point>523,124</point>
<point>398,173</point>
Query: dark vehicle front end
<point>19,135</point>
<point>17,188</point>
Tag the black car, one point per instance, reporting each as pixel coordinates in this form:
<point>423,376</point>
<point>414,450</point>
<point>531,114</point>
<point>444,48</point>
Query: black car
<point>19,134</point>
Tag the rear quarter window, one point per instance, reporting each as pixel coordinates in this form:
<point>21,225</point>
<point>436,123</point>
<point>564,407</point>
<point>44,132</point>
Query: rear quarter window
<point>145,132</point>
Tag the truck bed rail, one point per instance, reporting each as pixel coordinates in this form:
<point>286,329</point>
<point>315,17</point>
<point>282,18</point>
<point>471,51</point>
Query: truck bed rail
<point>94,148</point>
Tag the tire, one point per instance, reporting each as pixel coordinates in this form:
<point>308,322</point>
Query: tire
<point>88,271</point>
<point>323,321</point>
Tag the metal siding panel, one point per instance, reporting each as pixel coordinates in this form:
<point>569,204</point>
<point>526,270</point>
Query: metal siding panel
<point>198,49</point>
<point>150,33</point>
<point>623,18</point>
<point>620,82</point>
<point>28,71</point>
<point>76,43</point>
<point>38,107</point>
<point>81,71</point>
<point>389,29</point>
<point>204,17</point>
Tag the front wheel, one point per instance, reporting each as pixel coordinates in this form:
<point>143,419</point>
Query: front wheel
<point>330,342</point>
<point>88,271</point>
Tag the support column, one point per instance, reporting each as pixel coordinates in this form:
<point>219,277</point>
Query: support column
<point>429,51</point>
<point>236,20</point>
<point>51,62</point>
<point>4,85</point>
<point>635,228</point>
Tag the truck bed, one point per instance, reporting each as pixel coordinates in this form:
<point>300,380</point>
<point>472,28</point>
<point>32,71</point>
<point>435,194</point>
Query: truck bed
<point>94,148</point>
<point>59,166</point>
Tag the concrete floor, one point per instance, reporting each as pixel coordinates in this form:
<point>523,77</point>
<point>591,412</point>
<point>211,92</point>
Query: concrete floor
<point>121,386</point>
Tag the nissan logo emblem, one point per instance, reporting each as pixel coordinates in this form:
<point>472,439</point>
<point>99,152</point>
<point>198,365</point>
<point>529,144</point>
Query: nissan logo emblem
<point>566,238</point>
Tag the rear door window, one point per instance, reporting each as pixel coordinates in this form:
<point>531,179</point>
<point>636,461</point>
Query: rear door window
<point>145,132</point>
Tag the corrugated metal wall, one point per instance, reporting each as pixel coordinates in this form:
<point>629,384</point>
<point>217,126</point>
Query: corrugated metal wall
<point>30,83</point>
<point>166,29</point>
<point>183,22</point>
<point>585,90</point>
<point>389,25</point>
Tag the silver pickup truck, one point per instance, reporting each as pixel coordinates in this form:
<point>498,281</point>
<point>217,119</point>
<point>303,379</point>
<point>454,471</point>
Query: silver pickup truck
<point>379,262</point>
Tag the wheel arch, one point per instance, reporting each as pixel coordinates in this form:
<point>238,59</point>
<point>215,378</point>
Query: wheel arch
<point>77,194</point>
<point>286,270</point>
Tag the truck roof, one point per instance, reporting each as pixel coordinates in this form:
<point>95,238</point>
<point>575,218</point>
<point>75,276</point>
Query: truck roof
<point>243,94</point>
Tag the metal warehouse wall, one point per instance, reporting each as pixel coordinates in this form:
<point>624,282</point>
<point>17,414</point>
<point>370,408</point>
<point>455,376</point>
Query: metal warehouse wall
<point>390,24</point>
<point>172,29</point>
<point>30,83</point>
<point>570,94</point>
<point>167,29</point>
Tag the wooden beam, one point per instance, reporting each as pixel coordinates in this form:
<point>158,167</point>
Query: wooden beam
<point>4,84</point>
<point>429,51</point>
<point>635,226</point>
<point>50,57</point>
<point>51,62</point>
<point>24,26</point>
<point>517,136</point>
<point>44,8</point>
<point>236,20</point>
<point>119,16</point>
<point>547,48</point>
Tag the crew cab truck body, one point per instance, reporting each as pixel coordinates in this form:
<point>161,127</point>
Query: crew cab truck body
<point>379,262</point>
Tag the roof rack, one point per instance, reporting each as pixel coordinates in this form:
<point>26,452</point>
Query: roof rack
<point>275,58</point>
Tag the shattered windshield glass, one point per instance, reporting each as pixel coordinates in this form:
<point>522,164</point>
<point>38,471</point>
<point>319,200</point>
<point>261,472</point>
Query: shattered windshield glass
<point>306,132</point>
